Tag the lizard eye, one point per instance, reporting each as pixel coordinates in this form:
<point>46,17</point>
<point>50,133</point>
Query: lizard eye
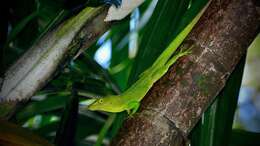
<point>100,100</point>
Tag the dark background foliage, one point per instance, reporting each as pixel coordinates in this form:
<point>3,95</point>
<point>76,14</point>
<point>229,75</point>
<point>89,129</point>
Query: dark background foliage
<point>109,66</point>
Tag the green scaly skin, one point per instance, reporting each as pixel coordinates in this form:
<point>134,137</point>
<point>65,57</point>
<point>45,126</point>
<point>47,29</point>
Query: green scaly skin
<point>130,100</point>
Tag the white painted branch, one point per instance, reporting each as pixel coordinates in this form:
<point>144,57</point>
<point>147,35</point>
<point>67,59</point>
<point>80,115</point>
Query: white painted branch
<point>36,66</point>
<point>126,8</point>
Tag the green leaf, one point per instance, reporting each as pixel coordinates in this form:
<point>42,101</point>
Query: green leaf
<point>160,30</point>
<point>99,70</point>
<point>51,103</point>
<point>119,53</point>
<point>94,125</point>
<point>216,125</point>
<point>20,26</point>
<point>105,129</point>
<point>47,130</point>
<point>244,138</point>
<point>65,136</point>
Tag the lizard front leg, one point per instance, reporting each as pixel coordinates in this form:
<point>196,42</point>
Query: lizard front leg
<point>132,107</point>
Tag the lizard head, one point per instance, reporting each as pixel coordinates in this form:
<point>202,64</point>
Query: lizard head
<point>108,104</point>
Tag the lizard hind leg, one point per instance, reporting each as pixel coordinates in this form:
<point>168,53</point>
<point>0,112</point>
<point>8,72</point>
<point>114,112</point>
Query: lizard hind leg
<point>175,57</point>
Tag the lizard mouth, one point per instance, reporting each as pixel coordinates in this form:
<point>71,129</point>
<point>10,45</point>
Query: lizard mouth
<point>88,102</point>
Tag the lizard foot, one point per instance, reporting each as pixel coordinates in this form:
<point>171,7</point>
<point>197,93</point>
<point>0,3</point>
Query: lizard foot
<point>132,108</point>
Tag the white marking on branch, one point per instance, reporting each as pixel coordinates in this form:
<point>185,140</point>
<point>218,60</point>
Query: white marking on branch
<point>37,65</point>
<point>126,8</point>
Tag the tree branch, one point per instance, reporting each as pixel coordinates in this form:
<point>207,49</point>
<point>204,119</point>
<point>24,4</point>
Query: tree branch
<point>176,102</point>
<point>37,66</point>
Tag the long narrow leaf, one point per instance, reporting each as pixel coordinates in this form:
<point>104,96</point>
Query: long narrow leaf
<point>159,32</point>
<point>244,138</point>
<point>65,135</point>
<point>216,125</point>
<point>49,104</point>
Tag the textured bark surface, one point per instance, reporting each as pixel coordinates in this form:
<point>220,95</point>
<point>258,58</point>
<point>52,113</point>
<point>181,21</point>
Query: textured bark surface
<point>149,129</point>
<point>220,39</point>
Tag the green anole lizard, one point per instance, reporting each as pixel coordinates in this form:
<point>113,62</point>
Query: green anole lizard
<point>130,100</point>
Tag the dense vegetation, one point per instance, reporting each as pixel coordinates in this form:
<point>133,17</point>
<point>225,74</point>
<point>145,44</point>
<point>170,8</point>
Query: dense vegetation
<point>133,44</point>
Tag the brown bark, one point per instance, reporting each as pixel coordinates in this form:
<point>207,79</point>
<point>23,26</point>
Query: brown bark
<point>176,102</point>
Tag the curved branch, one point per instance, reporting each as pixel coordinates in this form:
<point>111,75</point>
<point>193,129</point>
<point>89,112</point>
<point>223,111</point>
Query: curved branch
<point>37,66</point>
